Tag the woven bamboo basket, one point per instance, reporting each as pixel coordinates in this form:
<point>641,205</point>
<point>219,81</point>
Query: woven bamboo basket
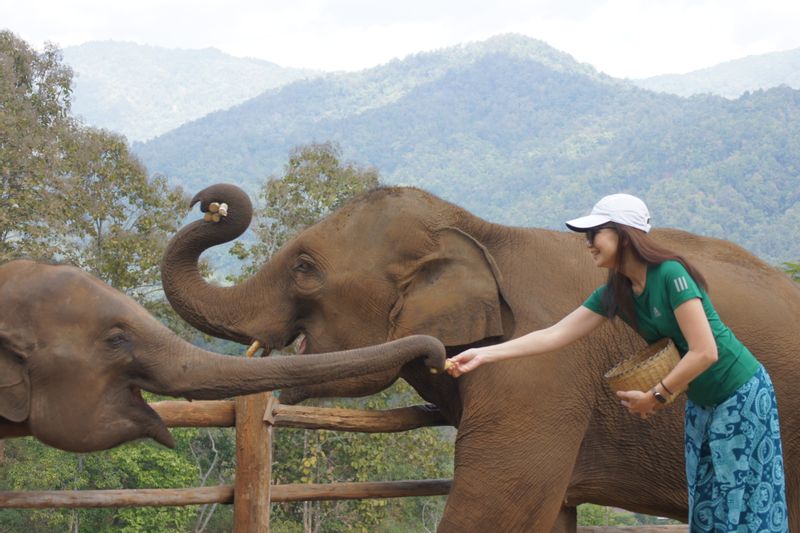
<point>644,370</point>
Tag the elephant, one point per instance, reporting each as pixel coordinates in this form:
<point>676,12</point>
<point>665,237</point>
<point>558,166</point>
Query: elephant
<point>75,355</point>
<point>535,436</point>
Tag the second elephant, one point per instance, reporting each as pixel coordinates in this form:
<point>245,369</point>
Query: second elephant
<point>75,355</point>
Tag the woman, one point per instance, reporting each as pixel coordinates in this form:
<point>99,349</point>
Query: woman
<point>734,462</point>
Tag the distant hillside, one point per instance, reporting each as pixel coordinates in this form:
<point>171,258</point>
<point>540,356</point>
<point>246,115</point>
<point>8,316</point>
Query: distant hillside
<point>521,134</point>
<point>252,140</point>
<point>734,78</point>
<point>144,91</point>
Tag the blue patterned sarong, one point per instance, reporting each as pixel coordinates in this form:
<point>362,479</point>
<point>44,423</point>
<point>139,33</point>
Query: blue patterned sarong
<point>734,462</point>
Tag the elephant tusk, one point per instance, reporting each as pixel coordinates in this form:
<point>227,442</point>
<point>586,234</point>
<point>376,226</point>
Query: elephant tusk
<point>251,351</point>
<point>223,209</point>
<point>448,364</point>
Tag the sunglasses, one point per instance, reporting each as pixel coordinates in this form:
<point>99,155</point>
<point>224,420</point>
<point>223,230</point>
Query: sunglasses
<point>592,233</point>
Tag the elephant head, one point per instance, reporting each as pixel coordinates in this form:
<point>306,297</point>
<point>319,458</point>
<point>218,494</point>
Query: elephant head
<point>75,355</point>
<point>389,263</point>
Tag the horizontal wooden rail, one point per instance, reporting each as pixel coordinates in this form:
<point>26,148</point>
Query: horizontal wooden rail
<point>46,499</point>
<point>359,491</point>
<point>357,420</point>
<point>222,414</point>
<point>220,494</point>
<point>199,413</point>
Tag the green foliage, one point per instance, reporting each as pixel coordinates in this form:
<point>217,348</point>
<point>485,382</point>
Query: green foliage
<point>35,96</point>
<point>71,193</point>
<point>793,269</point>
<point>142,464</point>
<point>118,219</point>
<point>597,515</point>
<point>326,456</point>
<point>315,182</point>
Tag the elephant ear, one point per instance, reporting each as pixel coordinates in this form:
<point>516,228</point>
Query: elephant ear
<point>15,386</point>
<point>454,293</point>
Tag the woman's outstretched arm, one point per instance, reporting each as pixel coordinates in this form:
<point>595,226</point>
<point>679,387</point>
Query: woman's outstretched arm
<point>572,327</point>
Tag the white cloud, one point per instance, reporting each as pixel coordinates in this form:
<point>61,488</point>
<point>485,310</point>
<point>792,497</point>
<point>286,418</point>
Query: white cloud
<point>625,38</point>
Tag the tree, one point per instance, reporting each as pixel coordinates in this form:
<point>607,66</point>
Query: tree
<point>117,218</point>
<point>35,90</point>
<point>314,183</point>
<point>69,192</point>
<point>793,269</point>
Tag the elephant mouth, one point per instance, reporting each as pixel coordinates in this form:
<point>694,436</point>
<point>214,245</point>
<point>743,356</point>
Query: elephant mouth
<point>299,343</point>
<point>296,342</point>
<point>136,393</point>
<point>156,428</point>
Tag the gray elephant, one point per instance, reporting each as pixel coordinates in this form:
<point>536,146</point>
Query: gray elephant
<point>75,355</point>
<point>535,436</point>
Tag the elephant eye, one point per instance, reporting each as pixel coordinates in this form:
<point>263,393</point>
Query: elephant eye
<point>303,265</point>
<point>307,275</point>
<point>117,340</point>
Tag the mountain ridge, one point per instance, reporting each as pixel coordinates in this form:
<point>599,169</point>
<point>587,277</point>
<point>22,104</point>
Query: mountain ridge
<point>142,91</point>
<point>732,78</point>
<point>522,134</point>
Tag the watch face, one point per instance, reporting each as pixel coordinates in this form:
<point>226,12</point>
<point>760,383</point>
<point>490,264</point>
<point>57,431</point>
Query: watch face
<point>659,397</point>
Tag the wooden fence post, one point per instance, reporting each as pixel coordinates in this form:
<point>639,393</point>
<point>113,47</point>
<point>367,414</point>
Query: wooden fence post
<point>251,502</point>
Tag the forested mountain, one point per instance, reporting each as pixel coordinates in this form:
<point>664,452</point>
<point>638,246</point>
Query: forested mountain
<point>732,78</point>
<point>144,91</point>
<point>521,134</point>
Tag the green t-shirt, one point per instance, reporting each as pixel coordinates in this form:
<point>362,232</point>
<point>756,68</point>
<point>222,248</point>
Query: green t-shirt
<point>669,285</point>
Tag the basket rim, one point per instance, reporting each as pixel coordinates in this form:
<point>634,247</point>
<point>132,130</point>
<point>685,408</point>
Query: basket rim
<point>651,356</point>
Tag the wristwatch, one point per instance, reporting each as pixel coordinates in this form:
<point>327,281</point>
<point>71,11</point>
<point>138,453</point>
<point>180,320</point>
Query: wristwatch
<point>659,397</point>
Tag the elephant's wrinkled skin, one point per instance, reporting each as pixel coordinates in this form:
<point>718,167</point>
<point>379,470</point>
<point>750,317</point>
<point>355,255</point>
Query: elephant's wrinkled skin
<point>533,434</point>
<point>75,354</point>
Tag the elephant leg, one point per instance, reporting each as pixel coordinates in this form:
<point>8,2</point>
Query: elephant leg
<point>480,503</point>
<point>567,521</point>
<point>509,484</point>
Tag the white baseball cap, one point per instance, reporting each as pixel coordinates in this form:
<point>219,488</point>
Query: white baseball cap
<point>619,208</point>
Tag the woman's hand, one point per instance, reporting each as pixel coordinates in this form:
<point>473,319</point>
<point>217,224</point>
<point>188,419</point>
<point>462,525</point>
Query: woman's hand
<point>465,362</point>
<point>639,403</point>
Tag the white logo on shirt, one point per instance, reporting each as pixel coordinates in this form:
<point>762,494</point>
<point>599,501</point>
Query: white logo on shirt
<point>656,312</point>
<point>680,284</point>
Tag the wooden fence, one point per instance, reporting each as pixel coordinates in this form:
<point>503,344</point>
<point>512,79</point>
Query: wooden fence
<point>254,417</point>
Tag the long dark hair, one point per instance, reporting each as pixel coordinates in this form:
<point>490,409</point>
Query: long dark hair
<point>619,292</point>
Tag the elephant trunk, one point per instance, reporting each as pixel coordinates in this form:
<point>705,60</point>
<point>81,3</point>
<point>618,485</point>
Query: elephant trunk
<point>198,374</point>
<point>218,311</point>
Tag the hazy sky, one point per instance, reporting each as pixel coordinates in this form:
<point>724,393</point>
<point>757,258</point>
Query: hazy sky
<point>624,38</point>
